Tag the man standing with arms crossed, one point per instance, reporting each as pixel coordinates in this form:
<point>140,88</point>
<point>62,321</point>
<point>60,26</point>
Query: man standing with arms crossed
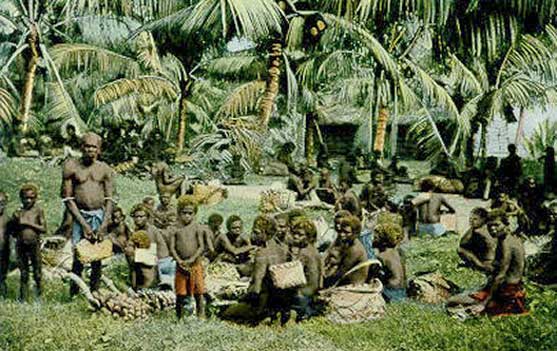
<point>87,190</point>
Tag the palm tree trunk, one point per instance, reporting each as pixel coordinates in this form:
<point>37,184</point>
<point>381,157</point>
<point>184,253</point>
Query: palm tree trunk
<point>183,114</point>
<point>27,93</point>
<point>381,132</point>
<point>520,129</point>
<point>272,87</point>
<point>394,127</point>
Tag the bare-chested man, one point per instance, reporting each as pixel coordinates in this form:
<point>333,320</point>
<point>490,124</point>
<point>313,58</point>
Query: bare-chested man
<point>429,210</point>
<point>165,213</point>
<point>87,191</point>
<point>350,253</point>
<point>477,246</point>
<point>504,293</point>
<point>4,245</point>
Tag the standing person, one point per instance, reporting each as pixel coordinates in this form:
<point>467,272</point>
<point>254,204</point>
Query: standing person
<point>28,224</point>
<point>429,210</point>
<point>187,246</point>
<point>4,244</point>
<point>510,171</point>
<point>87,189</point>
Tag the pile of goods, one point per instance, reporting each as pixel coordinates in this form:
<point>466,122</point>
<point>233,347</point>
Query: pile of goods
<point>272,201</point>
<point>442,184</point>
<point>132,306</point>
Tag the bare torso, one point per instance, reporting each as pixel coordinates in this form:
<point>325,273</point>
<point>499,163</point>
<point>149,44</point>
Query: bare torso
<point>187,240</point>
<point>88,183</point>
<point>429,212</point>
<point>351,257</point>
<point>394,268</point>
<point>24,232</point>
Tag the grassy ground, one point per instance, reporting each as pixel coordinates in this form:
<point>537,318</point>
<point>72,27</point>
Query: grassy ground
<point>59,323</point>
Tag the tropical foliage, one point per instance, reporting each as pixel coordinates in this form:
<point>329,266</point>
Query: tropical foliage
<point>213,77</point>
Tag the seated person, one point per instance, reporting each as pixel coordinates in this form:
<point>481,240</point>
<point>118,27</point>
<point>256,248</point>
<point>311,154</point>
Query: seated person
<point>409,217</point>
<point>232,245</point>
<point>235,171</point>
<point>349,201</point>
<point>347,171</point>
<point>350,253</point>
<point>518,221</point>
<point>393,273</point>
<point>374,196</point>
<point>326,190</point>
<point>213,230</point>
<point>261,292</point>
<point>477,247</point>
<point>164,216</point>
<point>118,231</point>
<point>304,233</point>
<point>302,185</point>
<point>283,227</point>
<point>429,211</point>
<point>504,293</point>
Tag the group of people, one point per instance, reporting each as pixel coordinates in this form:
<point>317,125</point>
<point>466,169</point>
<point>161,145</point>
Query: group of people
<point>180,247</point>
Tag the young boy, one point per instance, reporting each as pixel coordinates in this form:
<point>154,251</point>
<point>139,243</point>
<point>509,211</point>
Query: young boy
<point>187,246</point>
<point>28,224</point>
<point>118,231</point>
<point>4,245</point>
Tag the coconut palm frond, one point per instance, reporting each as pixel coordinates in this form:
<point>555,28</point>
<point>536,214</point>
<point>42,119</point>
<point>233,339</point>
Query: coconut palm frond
<point>173,69</point>
<point>236,65</point>
<point>87,57</point>
<point>306,72</point>
<point>381,55</point>
<point>544,136</point>
<point>426,135</point>
<point>295,35</point>
<point>7,107</point>
<point>242,100</point>
<point>437,95</point>
<point>61,107</point>
<point>339,63</point>
<point>147,53</point>
<point>248,18</point>
<point>151,85</point>
<point>291,84</point>
<point>467,81</point>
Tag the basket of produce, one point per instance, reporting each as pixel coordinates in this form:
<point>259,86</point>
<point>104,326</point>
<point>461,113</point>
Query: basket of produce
<point>88,252</point>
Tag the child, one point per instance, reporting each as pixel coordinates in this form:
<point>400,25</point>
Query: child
<point>301,248</point>
<point>187,246</point>
<point>477,247</point>
<point>4,245</point>
<point>29,223</point>
<point>118,230</point>
<point>387,238</point>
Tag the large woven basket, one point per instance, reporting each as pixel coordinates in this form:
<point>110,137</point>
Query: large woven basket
<point>354,303</point>
<point>288,275</point>
<point>88,252</point>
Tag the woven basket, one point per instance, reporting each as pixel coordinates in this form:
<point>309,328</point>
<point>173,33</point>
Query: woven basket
<point>88,252</point>
<point>147,257</point>
<point>288,275</point>
<point>354,303</point>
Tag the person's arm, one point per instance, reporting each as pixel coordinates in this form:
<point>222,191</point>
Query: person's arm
<point>312,272</point>
<point>503,268</point>
<point>209,240</point>
<point>259,271</point>
<point>38,224</point>
<point>200,246</point>
<point>172,248</point>
<point>69,200</point>
<point>108,184</point>
<point>447,205</point>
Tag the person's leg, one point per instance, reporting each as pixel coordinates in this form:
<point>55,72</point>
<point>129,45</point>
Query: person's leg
<point>200,305</point>
<point>23,260</point>
<point>96,271</point>
<point>77,269</point>
<point>4,265</point>
<point>37,268</point>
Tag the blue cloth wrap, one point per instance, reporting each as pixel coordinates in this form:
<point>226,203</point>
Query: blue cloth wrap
<point>434,229</point>
<point>94,218</point>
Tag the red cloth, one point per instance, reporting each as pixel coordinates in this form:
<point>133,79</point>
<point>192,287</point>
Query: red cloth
<point>190,282</point>
<point>509,299</point>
